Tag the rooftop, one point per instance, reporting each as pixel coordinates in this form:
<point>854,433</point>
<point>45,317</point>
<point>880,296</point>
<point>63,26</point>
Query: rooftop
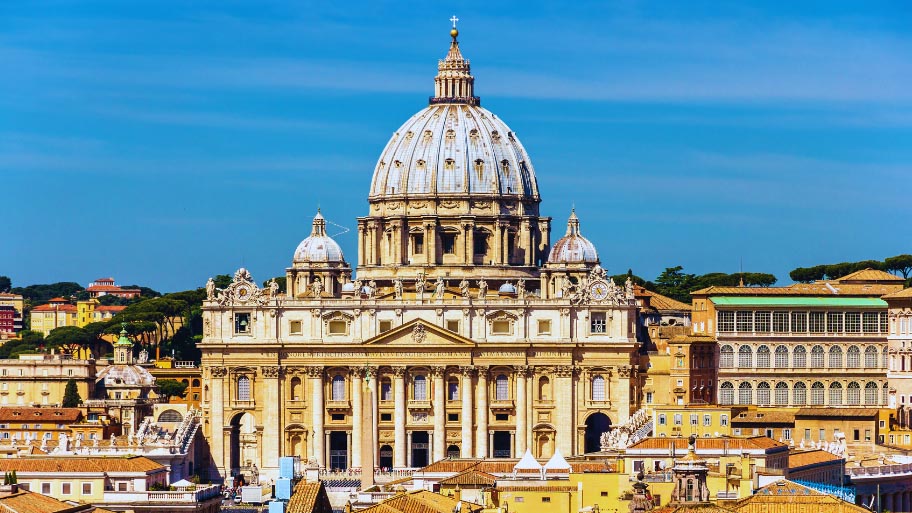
<point>422,501</point>
<point>57,415</point>
<point>309,497</point>
<point>800,459</point>
<point>708,444</point>
<point>83,465</point>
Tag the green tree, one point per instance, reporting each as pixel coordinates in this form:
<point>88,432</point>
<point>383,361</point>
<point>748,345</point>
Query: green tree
<point>5,284</point>
<point>69,338</point>
<point>808,274</point>
<point>39,294</point>
<point>222,280</point>
<point>676,284</point>
<point>71,397</point>
<point>899,264</point>
<point>169,388</point>
<point>143,291</point>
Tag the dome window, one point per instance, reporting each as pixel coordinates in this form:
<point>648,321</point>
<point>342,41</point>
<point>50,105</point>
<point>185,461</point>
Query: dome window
<point>449,164</point>
<point>473,133</point>
<point>495,135</point>
<point>421,164</point>
<point>450,135</point>
<point>427,135</point>
<point>479,168</point>
<point>409,135</point>
<point>397,163</point>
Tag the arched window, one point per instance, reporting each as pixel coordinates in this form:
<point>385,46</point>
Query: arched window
<point>835,394</point>
<point>885,398</point>
<point>817,357</point>
<point>782,357</point>
<point>870,357</point>
<point>871,393</point>
<point>799,393</point>
<point>727,393</point>
<point>763,394</point>
<point>338,388</point>
<point>835,357</point>
<point>243,388</point>
<point>170,416</point>
<point>763,357</point>
<point>386,390</point>
<point>296,391</point>
<point>726,357</point>
<point>196,383</point>
<point>817,390</point>
<point>598,388</point>
<point>799,357</point>
<point>853,357</point>
<point>419,388</point>
<point>745,357</point>
<point>453,389</point>
<point>544,389</point>
<point>745,393</point>
<point>501,387</point>
<point>853,396</point>
<point>782,394</point>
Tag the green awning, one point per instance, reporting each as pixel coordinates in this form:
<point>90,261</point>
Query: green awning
<point>834,301</point>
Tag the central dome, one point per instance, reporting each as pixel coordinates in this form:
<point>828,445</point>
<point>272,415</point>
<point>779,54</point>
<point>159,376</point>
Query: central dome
<point>454,147</point>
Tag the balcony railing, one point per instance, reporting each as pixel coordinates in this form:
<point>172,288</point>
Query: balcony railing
<point>883,470</point>
<point>338,404</point>
<point>727,495</point>
<point>419,404</point>
<point>502,404</point>
<point>200,494</point>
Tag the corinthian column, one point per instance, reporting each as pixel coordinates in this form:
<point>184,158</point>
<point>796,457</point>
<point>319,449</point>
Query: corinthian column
<point>521,410</point>
<point>357,417</point>
<point>316,383</point>
<point>563,394</point>
<point>481,414</point>
<point>399,447</point>
<point>439,413</point>
<point>465,391</point>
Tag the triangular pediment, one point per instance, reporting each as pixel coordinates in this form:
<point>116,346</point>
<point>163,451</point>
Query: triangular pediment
<point>419,332</point>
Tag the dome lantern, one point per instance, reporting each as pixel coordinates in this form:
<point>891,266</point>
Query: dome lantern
<point>454,82</point>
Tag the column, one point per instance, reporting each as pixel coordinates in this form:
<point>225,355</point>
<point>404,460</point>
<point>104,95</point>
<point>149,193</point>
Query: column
<point>469,238</point>
<point>351,455</point>
<point>408,452</point>
<point>465,393</point>
<point>481,414</point>
<point>521,411</point>
<point>272,422</point>
<point>622,397</point>
<point>373,378</point>
<point>357,418</point>
<point>316,383</point>
<point>526,230</point>
<point>399,448</point>
<point>362,243</point>
<point>439,414</point>
<point>498,243</point>
<point>563,394</point>
<point>217,426</point>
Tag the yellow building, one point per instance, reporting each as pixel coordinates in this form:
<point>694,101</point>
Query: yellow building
<point>186,372</point>
<point>683,421</point>
<point>36,423</point>
<point>14,499</point>
<point>40,379</point>
<point>91,310</point>
<point>58,312</point>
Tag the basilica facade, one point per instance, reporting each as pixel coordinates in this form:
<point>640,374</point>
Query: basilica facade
<point>462,332</point>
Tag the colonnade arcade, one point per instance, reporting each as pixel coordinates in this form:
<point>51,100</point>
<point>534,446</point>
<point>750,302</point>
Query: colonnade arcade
<point>422,413</point>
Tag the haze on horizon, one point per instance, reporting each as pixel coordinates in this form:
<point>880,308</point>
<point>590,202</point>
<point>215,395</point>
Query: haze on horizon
<point>162,143</point>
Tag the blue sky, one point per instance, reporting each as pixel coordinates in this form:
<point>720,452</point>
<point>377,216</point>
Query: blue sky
<point>163,142</point>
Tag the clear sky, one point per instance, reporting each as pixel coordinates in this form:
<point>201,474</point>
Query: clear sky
<point>162,142</point>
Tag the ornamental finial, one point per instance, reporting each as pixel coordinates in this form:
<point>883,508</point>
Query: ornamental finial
<point>453,31</point>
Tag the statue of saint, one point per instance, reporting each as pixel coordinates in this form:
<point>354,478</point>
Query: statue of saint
<point>464,288</point>
<point>317,288</point>
<point>420,284</point>
<point>482,288</point>
<point>210,289</point>
<point>439,287</point>
<point>521,288</point>
<point>397,288</point>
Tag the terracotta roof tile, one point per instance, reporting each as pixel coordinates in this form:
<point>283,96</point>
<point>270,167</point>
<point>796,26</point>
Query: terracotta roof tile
<point>804,458</point>
<point>112,308</point>
<point>56,415</point>
<point>55,308</point>
<point>775,496</point>
<point>99,465</point>
<point>532,488</point>
<point>836,412</point>
<point>870,275</point>
<point>309,497</point>
<point>680,444</point>
<point>451,465</point>
<point>904,293</point>
<point>471,477</point>
<point>421,501</point>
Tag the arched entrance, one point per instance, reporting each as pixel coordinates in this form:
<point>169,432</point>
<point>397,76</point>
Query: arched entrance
<point>386,457</point>
<point>243,444</point>
<point>596,424</point>
<point>338,450</point>
<point>419,449</point>
<point>452,451</point>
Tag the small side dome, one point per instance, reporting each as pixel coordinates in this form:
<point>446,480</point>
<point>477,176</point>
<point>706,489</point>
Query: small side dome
<point>507,288</point>
<point>348,288</point>
<point>573,248</point>
<point>319,247</point>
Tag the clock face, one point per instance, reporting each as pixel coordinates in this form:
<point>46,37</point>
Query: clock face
<point>599,291</point>
<point>242,292</point>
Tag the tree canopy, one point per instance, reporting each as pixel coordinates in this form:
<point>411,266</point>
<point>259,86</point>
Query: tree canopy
<point>171,388</point>
<point>5,284</point>
<point>71,397</point>
<point>676,284</point>
<point>899,264</point>
<point>42,293</point>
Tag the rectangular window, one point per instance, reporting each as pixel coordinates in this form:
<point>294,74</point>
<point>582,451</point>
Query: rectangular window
<point>546,499</point>
<point>597,322</point>
<point>853,322</point>
<point>385,326</point>
<point>816,322</point>
<point>337,327</point>
<point>726,322</point>
<point>453,390</point>
<point>856,435</point>
<point>448,241</point>
<point>821,435</point>
<point>787,433</point>
<point>87,488</point>
<point>294,327</point>
<point>694,419</point>
<point>723,420</point>
<point>871,324</point>
<point>452,417</point>
<point>807,433</point>
<point>338,417</point>
<point>707,420</point>
<point>678,419</point>
<point>780,322</point>
<point>799,322</point>
<point>386,391</point>
<point>46,488</point>
<point>501,327</point>
<point>121,487</point>
<point>417,243</point>
<point>242,323</point>
<point>883,322</point>
<point>453,325</point>
<point>744,321</point>
<point>386,417</point>
<point>502,417</point>
<point>662,419</point>
<point>648,397</point>
<point>867,435</point>
<point>834,322</point>
<point>544,327</point>
<point>638,465</point>
<point>762,322</point>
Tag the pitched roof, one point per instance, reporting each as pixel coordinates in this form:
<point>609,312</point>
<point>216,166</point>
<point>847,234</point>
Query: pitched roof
<point>904,293</point>
<point>421,501</point>
<point>309,497</point>
<point>31,502</point>
<point>55,308</point>
<point>716,443</point>
<point>870,275</point>
<point>804,458</point>
<point>89,465</point>
<point>471,477</point>
<point>818,288</point>
<point>800,499</point>
<point>56,415</point>
<point>658,301</point>
<point>505,486</point>
<point>696,508</point>
<point>111,308</point>
<point>764,417</point>
<point>836,412</point>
